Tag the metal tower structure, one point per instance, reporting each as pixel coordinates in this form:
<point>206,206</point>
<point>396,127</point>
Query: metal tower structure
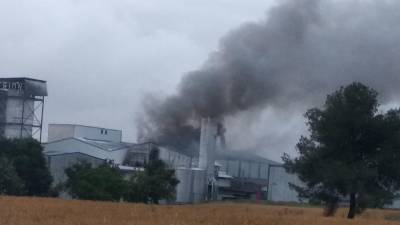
<point>21,107</point>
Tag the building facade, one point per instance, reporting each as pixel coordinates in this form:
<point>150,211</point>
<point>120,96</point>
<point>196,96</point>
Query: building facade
<point>216,174</point>
<point>69,144</point>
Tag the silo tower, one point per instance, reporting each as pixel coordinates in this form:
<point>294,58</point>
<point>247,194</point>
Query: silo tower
<point>21,107</point>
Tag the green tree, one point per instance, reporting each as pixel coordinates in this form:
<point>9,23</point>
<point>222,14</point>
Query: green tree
<point>29,163</point>
<point>156,182</point>
<point>137,188</point>
<point>104,182</point>
<point>352,151</point>
<point>10,183</point>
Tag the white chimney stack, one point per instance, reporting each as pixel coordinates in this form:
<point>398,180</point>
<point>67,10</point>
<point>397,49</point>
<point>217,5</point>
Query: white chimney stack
<point>207,145</point>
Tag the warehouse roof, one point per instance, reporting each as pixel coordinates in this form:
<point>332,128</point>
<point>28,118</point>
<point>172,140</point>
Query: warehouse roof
<point>104,145</point>
<point>22,78</point>
<point>107,145</point>
<point>100,149</point>
<point>243,156</point>
<point>112,151</point>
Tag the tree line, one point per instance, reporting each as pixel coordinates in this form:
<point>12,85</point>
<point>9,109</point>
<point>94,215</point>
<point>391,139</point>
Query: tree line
<point>24,172</point>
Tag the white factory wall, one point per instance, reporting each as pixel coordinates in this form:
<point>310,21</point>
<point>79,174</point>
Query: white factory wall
<point>183,189</point>
<point>98,133</point>
<point>192,185</point>
<point>58,163</point>
<point>62,131</point>
<point>199,184</point>
<point>279,189</point>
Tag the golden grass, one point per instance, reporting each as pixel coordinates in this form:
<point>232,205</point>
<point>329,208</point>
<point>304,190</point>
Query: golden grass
<point>42,211</point>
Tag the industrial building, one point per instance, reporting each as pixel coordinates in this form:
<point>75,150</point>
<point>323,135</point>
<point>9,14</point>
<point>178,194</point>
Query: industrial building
<point>21,107</point>
<point>68,144</point>
<point>236,174</point>
<point>255,177</point>
<point>214,174</point>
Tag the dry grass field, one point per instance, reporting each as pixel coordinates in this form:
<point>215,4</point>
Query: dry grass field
<point>41,211</point>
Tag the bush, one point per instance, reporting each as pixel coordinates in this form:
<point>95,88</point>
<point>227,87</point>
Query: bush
<point>155,183</point>
<point>10,182</point>
<point>106,183</point>
<point>25,157</point>
<point>103,183</point>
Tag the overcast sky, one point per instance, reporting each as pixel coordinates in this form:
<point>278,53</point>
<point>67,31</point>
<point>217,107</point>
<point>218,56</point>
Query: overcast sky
<point>100,57</point>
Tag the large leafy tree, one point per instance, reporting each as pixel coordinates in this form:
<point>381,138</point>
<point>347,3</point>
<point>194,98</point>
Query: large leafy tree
<point>156,182</point>
<point>352,151</point>
<point>103,183</point>
<point>29,164</point>
<point>10,182</point>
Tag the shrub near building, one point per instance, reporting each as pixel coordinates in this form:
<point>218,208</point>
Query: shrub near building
<point>155,183</point>
<point>23,169</point>
<point>106,183</point>
<point>101,183</point>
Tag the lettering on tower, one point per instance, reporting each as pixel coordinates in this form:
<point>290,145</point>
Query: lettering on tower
<point>14,85</point>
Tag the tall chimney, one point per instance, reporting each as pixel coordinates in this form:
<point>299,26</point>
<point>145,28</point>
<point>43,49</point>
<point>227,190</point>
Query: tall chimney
<point>207,145</point>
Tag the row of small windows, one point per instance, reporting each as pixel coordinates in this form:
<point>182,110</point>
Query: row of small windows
<point>103,131</point>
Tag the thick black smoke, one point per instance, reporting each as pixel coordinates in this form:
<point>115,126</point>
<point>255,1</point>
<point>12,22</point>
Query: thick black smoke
<point>302,51</point>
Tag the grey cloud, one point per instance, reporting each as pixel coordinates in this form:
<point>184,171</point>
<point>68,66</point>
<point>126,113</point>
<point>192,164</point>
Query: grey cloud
<point>99,57</point>
<point>291,60</point>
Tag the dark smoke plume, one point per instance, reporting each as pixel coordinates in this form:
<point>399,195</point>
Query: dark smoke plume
<point>303,50</point>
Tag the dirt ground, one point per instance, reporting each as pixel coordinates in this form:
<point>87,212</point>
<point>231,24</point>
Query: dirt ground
<point>46,211</point>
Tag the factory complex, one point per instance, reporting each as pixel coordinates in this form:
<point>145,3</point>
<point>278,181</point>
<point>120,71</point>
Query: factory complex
<point>210,172</point>
<point>216,174</point>
<point>213,172</point>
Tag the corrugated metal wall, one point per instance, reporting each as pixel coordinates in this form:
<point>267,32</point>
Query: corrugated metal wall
<point>58,164</point>
<point>3,106</point>
<point>279,189</point>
